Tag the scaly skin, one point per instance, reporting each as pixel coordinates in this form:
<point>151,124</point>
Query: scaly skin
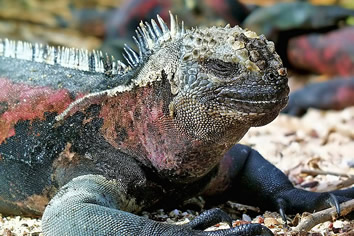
<point>104,141</point>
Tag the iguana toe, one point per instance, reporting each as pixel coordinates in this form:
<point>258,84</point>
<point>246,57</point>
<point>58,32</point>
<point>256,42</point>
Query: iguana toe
<point>210,218</point>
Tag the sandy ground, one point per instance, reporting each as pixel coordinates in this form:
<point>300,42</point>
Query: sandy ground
<point>322,141</point>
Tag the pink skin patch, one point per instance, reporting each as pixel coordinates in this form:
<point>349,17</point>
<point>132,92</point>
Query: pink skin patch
<point>144,126</point>
<point>26,102</point>
<point>139,124</point>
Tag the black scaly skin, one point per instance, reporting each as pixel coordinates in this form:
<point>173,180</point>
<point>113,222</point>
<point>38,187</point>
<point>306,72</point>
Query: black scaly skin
<point>88,142</point>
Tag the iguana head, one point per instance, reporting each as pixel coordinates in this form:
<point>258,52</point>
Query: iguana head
<point>229,75</point>
<point>221,78</point>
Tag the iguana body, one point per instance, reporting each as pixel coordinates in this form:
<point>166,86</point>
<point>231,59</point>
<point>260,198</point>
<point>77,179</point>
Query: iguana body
<point>101,139</point>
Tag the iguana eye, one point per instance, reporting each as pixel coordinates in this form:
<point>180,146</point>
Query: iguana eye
<point>219,67</point>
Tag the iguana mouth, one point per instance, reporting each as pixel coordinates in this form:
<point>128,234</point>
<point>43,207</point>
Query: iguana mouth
<point>279,101</point>
<point>255,100</point>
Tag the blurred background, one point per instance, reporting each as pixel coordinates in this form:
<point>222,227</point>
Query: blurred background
<point>314,38</point>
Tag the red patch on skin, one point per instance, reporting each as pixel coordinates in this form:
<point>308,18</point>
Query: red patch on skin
<point>26,102</point>
<point>143,123</point>
<point>138,123</point>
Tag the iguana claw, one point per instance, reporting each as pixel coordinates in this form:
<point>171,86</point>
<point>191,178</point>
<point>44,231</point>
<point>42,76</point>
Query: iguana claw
<point>210,218</point>
<point>334,201</point>
<point>281,204</point>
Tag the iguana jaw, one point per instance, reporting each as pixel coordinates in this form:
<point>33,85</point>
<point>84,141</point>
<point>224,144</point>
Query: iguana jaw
<point>251,103</point>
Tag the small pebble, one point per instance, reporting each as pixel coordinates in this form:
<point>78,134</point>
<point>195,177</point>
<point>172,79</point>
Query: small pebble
<point>246,217</point>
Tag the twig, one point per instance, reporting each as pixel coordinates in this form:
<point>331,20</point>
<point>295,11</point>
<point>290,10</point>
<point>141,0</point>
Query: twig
<point>308,222</point>
<point>322,172</point>
<point>242,207</point>
<point>345,183</point>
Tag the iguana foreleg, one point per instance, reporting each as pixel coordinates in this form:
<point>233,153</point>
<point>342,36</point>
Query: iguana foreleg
<point>90,205</point>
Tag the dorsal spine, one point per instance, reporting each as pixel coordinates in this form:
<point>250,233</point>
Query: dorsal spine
<point>148,38</point>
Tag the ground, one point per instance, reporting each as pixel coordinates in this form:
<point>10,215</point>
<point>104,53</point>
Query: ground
<point>321,141</point>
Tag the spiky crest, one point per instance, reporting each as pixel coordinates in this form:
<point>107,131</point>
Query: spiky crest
<point>148,38</point>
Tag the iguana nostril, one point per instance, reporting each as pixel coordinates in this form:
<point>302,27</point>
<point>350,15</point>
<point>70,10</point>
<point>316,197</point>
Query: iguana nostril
<point>282,72</point>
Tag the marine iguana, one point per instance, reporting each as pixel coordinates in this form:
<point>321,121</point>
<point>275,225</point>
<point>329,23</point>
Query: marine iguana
<point>88,141</point>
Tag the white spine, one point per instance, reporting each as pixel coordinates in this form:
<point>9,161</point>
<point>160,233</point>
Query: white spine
<point>151,37</point>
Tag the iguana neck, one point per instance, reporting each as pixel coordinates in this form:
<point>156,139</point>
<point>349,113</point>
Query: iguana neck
<point>139,123</point>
